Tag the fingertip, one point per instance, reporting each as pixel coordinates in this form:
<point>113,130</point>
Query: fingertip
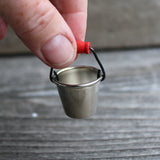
<point>59,52</point>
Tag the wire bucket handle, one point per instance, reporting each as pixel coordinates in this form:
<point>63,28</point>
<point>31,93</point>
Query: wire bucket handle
<point>83,47</point>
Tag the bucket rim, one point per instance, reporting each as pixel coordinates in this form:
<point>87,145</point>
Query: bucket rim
<point>76,85</point>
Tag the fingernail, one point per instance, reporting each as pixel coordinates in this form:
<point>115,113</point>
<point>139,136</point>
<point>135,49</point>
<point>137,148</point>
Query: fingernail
<point>58,51</point>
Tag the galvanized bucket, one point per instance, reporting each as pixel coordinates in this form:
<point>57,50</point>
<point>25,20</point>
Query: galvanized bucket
<point>78,88</point>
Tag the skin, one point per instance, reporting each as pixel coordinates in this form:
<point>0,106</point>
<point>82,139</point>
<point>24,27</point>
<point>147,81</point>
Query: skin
<point>37,22</point>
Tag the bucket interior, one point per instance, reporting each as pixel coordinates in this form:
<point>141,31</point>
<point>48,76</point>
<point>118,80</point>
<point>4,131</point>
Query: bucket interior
<point>78,75</point>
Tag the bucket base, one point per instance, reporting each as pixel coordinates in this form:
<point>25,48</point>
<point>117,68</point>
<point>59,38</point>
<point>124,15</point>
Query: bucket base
<point>79,116</point>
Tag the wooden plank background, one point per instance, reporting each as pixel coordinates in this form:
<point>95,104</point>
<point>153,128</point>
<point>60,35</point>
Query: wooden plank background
<point>126,126</point>
<point>124,23</point>
<point>112,24</point>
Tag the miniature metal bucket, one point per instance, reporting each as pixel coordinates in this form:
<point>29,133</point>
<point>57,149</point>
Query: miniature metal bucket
<point>78,90</point>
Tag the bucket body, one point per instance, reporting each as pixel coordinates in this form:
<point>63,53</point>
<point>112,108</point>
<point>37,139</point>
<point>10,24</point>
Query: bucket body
<point>78,90</point>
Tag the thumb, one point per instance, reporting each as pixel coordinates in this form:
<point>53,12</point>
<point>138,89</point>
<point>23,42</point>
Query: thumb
<point>42,29</point>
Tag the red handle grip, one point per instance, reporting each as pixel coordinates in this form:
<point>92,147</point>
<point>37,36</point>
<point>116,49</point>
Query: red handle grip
<point>83,47</point>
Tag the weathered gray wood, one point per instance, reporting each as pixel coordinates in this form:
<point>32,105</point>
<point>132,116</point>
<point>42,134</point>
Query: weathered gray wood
<point>126,126</point>
<point>124,23</point>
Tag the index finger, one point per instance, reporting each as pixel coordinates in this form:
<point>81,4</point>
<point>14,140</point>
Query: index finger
<point>75,14</point>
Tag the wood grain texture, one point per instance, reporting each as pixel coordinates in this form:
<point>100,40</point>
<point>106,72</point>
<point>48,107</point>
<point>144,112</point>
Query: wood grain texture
<point>123,23</point>
<point>126,126</point>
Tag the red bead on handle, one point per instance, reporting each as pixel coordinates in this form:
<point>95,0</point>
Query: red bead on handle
<point>83,47</point>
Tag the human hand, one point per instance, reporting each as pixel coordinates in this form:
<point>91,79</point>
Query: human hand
<point>48,28</point>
